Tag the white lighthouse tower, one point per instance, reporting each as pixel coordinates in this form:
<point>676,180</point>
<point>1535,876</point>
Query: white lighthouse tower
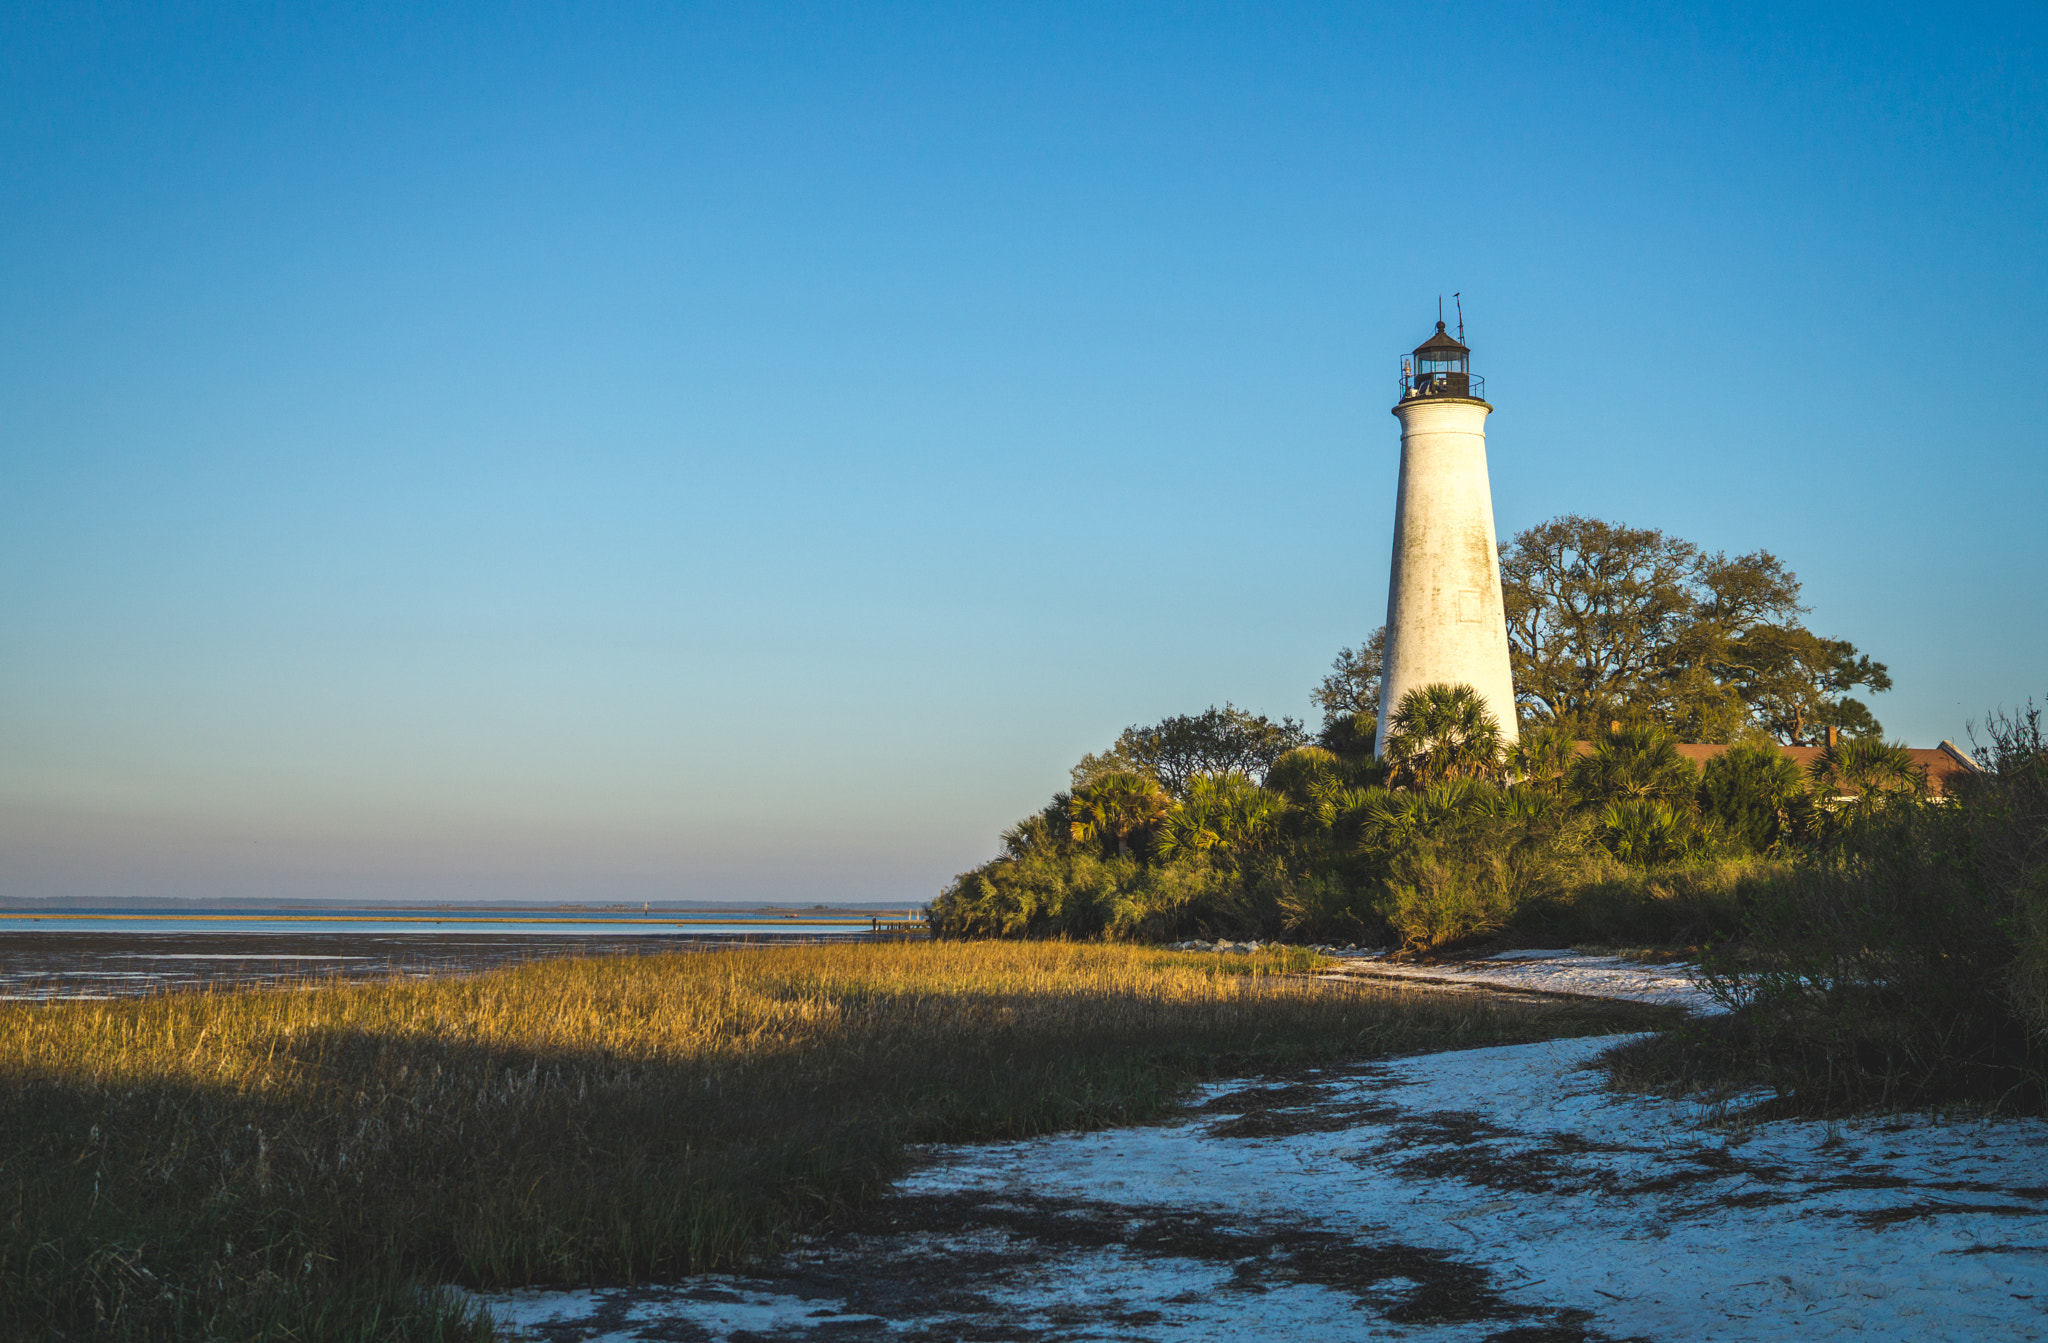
<point>1444,617</point>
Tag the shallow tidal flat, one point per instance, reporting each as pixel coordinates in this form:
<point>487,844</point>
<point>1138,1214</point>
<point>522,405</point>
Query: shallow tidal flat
<point>50,957</point>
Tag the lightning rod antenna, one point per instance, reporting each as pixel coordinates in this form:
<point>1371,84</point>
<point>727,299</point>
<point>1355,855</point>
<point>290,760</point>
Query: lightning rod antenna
<point>1460,298</point>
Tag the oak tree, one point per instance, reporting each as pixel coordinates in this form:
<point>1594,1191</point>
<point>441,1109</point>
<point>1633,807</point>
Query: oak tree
<point>1177,750</point>
<point>1609,622</point>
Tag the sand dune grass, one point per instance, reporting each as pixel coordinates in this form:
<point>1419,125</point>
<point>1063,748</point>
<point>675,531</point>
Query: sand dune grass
<point>295,1163</point>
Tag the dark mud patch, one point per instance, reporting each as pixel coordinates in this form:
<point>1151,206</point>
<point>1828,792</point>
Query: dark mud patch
<point>1980,1187</point>
<point>1454,1145</point>
<point>1288,1123</point>
<point>1863,1179</point>
<point>1458,1145</point>
<point>1698,1182</point>
<point>1703,1165</point>
<point>1300,1106</point>
<point>1246,1100</point>
<point>1878,1218</point>
<point>1001,1269</point>
<point>1436,1127</point>
<point>1578,1144</point>
<point>1402,1283</point>
<point>1485,1166</point>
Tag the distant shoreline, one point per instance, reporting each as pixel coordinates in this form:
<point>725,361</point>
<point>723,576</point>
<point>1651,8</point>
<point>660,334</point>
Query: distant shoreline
<point>228,916</point>
<point>21,904</point>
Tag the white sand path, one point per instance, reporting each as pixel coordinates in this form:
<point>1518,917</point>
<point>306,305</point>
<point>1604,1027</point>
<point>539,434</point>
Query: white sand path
<point>1562,971</point>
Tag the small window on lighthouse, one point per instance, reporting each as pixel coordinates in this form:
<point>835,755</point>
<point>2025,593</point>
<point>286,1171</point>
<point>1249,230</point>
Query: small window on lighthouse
<point>1468,606</point>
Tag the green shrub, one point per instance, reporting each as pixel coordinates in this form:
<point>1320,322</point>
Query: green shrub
<point>1173,901</point>
<point>1607,902</point>
<point>1626,844</point>
<point>2029,975</point>
<point>1634,763</point>
<point>2009,845</point>
<point>1644,831</point>
<point>1897,966</point>
<point>1043,885</point>
<point>1350,736</point>
<point>1191,898</point>
<point>1460,860</point>
<point>1435,899</point>
<point>1307,772</point>
<point>1322,907</point>
<point>1757,796</point>
<point>1543,758</point>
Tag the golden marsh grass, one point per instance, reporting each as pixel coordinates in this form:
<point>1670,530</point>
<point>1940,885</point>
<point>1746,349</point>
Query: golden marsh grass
<point>295,1163</point>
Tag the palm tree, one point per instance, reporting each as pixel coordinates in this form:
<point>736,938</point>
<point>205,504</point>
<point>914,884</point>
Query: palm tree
<point>1222,813</point>
<point>1543,758</point>
<point>1644,830</point>
<point>1633,763</point>
<point>1185,834</point>
<point>1386,819</point>
<point>1757,795</point>
<point>1442,732</point>
<point>1861,770</point>
<point>1116,806</point>
<point>1302,771</point>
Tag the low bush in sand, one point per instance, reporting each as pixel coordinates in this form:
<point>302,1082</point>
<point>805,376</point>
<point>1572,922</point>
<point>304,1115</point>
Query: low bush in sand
<point>1681,904</point>
<point>1523,869</point>
<point>1904,964</point>
<point>305,1163</point>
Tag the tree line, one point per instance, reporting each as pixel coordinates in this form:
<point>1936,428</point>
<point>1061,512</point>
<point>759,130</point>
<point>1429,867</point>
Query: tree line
<point>1227,822</point>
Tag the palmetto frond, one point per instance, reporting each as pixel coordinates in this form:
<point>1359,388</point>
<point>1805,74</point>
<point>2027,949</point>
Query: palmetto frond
<point>1646,830</point>
<point>1543,757</point>
<point>1635,763</point>
<point>1442,732</point>
<point>1116,806</point>
<point>1222,811</point>
<point>1863,768</point>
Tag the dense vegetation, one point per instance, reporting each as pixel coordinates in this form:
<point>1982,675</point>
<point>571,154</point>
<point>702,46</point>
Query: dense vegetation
<point>1447,839</point>
<point>1227,823</point>
<point>1881,946</point>
<point>1903,962</point>
<point>301,1164</point>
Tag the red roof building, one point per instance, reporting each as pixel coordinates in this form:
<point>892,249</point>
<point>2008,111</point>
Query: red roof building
<point>1939,762</point>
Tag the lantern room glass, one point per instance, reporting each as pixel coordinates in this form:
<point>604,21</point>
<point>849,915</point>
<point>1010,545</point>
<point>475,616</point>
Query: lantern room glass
<point>1440,366</point>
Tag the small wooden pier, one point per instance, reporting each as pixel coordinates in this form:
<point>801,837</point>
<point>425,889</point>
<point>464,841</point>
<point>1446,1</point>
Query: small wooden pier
<point>911,927</point>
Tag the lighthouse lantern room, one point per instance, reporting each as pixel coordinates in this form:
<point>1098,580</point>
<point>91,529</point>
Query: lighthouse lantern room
<point>1440,366</point>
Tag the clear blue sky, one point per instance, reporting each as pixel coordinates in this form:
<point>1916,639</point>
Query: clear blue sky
<point>640,452</point>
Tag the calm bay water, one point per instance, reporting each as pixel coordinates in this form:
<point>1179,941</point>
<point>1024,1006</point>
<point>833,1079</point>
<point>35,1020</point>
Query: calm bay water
<point>274,926</point>
<point>81,954</point>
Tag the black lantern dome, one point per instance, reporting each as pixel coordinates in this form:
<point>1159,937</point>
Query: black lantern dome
<point>1441,366</point>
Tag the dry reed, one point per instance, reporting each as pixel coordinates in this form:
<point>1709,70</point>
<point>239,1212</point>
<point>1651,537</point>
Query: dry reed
<point>295,1163</point>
